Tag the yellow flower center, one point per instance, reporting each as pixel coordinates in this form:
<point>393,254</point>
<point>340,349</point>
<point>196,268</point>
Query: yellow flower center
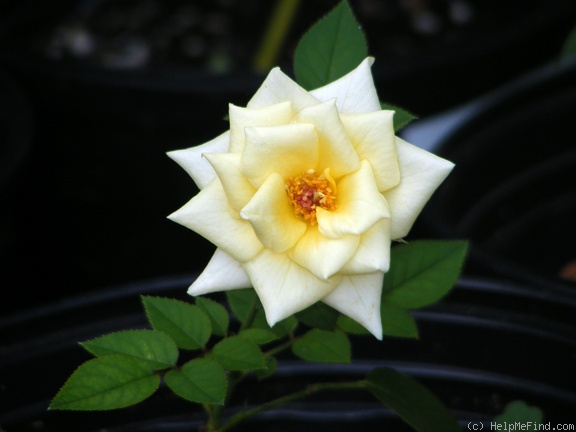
<point>309,191</point>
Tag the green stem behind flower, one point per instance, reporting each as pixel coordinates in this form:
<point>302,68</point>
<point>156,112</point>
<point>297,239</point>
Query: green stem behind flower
<point>311,389</point>
<point>276,32</point>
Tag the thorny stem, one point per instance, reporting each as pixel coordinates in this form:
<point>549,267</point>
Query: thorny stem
<point>311,389</point>
<point>214,412</point>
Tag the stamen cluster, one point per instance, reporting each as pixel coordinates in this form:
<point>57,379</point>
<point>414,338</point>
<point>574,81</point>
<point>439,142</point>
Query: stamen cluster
<point>310,191</point>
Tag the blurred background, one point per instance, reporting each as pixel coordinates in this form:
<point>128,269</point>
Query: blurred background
<point>93,93</point>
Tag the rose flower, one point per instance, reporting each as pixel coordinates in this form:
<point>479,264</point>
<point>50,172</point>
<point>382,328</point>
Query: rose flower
<point>304,194</point>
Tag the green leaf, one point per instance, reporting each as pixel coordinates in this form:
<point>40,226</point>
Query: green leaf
<point>401,116</point>
<point>319,315</point>
<point>285,327</point>
<point>200,380</point>
<point>242,301</point>
<point>106,383</point>
<point>334,46</point>
<point>519,411</point>
<point>413,402</point>
<point>323,346</point>
<point>217,314</point>
<point>150,346</point>
<point>238,353</point>
<point>185,323</point>
<point>397,322</point>
<point>280,329</point>
<point>422,272</point>
<point>348,325</point>
<point>271,366</point>
<point>258,335</point>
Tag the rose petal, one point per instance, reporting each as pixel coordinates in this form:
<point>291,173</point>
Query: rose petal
<point>277,87</point>
<point>360,205</point>
<point>373,253</point>
<point>210,216</point>
<point>321,255</point>
<point>354,92</point>
<point>195,165</point>
<point>223,273</point>
<point>359,298</point>
<point>336,150</point>
<point>373,137</point>
<point>241,118</point>
<point>283,286</point>
<point>422,173</point>
<point>287,150</point>
<point>236,186</point>
<point>272,216</point>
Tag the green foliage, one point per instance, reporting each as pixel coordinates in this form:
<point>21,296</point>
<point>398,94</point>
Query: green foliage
<point>350,326</point>
<point>422,272</point>
<point>519,411</point>
<point>401,116</point>
<point>411,401</point>
<point>238,353</point>
<point>218,315</point>
<point>397,322</point>
<point>187,324</point>
<point>280,329</point>
<point>319,315</point>
<point>150,346</point>
<point>259,336</point>
<point>285,327</point>
<point>323,346</point>
<point>271,366</point>
<point>200,380</point>
<point>107,383</point>
<point>334,46</point>
<point>241,302</point>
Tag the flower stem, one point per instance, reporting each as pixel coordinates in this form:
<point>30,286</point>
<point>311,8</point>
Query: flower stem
<point>278,28</point>
<point>311,389</point>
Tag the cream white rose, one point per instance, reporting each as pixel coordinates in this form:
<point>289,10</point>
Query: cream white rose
<point>303,195</point>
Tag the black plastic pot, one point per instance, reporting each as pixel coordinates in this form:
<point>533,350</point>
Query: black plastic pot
<point>486,345</point>
<point>512,191</point>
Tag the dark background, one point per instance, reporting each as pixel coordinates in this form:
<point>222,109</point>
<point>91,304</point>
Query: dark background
<point>87,187</point>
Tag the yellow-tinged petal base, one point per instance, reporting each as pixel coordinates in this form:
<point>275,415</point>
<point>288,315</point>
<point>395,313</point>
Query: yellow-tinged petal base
<point>284,287</point>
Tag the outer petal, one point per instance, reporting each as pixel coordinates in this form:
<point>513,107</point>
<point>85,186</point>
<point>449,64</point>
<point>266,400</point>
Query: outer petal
<point>360,205</point>
<point>236,186</point>
<point>354,92</point>
<point>223,273</point>
<point>287,150</point>
<point>336,150</point>
<point>241,118</point>
<point>272,216</point>
<point>321,255</point>
<point>277,87</point>
<point>210,216</point>
<point>195,165</point>
<point>373,136</point>
<point>359,298</point>
<point>422,173</point>
<point>373,253</point>
<point>284,287</point>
